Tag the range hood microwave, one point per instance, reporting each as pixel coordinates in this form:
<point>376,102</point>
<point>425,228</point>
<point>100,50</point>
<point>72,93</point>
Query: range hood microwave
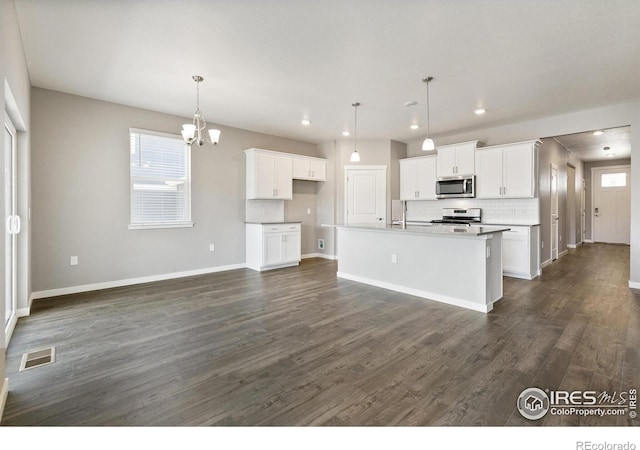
<point>456,187</point>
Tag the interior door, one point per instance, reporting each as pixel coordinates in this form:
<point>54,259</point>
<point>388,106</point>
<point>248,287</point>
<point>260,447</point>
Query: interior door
<point>366,196</point>
<point>612,206</point>
<point>12,227</point>
<point>554,213</point>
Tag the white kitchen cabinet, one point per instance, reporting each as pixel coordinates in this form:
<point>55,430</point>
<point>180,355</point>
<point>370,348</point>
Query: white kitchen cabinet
<point>507,171</point>
<point>456,159</point>
<point>269,175</point>
<point>418,178</point>
<point>273,245</point>
<point>308,168</point>
<point>520,255</point>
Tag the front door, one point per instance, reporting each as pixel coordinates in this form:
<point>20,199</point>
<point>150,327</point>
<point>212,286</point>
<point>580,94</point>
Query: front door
<point>612,205</point>
<point>366,196</point>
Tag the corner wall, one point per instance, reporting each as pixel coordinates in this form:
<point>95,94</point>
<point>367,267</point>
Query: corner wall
<point>15,99</point>
<point>81,196</point>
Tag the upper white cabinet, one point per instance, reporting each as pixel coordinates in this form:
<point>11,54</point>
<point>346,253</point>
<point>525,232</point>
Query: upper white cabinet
<point>456,159</point>
<point>507,171</point>
<point>308,168</point>
<point>418,178</point>
<point>269,175</point>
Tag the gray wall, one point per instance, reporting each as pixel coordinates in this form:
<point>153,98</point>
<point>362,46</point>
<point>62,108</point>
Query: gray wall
<point>552,153</point>
<point>80,150</point>
<point>589,186</point>
<point>15,99</point>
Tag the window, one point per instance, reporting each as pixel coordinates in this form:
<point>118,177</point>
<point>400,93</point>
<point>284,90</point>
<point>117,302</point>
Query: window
<point>160,180</point>
<point>614,179</point>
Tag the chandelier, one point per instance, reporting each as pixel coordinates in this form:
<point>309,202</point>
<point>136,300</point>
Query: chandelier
<point>192,132</point>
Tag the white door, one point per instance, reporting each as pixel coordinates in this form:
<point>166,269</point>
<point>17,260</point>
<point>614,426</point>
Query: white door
<point>12,227</point>
<point>611,205</point>
<point>366,196</point>
<point>554,212</point>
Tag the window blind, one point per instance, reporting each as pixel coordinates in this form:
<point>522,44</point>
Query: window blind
<point>160,180</point>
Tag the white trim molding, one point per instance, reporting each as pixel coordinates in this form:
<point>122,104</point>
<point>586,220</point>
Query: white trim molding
<point>634,284</point>
<point>320,255</point>
<point>419,293</point>
<point>4,390</point>
<point>589,241</point>
<point>132,281</point>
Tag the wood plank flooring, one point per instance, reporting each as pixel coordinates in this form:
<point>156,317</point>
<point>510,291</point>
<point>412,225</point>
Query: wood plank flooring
<point>298,346</point>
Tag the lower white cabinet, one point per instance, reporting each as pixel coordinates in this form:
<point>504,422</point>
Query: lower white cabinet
<point>520,255</point>
<point>272,245</point>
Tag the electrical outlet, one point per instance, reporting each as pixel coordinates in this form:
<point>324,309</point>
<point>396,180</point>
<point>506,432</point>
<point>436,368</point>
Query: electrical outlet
<point>308,210</point>
<point>541,244</point>
<point>394,259</point>
<point>73,261</point>
<point>321,244</point>
<point>212,247</point>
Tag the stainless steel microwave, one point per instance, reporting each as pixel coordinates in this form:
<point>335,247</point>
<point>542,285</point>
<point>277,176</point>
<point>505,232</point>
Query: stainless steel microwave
<point>456,187</point>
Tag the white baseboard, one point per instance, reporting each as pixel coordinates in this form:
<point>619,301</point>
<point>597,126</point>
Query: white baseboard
<point>319,255</point>
<point>4,390</point>
<point>561,254</point>
<point>574,245</point>
<point>546,263</point>
<point>132,281</point>
<point>634,284</point>
<point>24,312</point>
<point>589,241</point>
<point>419,293</point>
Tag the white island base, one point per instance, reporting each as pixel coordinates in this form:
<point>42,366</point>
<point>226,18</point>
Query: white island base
<point>461,267</point>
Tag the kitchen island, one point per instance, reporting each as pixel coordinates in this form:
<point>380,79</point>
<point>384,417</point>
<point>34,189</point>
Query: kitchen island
<point>458,265</point>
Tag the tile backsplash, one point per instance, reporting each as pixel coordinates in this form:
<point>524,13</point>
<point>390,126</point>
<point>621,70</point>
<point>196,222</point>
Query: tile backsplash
<point>507,211</point>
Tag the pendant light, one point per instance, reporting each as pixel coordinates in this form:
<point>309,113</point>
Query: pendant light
<point>428,143</point>
<point>355,156</point>
<point>192,132</point>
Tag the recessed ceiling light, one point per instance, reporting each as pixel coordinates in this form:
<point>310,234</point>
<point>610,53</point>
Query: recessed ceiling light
<point>480,111</point>
<point>414,126</point>
<point>611,155</point>
<point>346,133</point>
<point>305,122</point>
<point>598,132</point>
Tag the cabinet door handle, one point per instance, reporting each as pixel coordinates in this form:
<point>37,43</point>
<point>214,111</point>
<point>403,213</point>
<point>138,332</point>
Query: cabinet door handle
<point>504,190</point>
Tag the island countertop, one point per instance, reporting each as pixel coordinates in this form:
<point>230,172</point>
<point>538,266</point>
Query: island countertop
<point>447,230</point>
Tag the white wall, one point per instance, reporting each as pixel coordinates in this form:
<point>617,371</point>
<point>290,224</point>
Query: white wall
<point>81,196</point>
<point>610,116</point>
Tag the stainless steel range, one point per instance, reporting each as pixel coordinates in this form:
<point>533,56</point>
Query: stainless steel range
<point>459,216</point>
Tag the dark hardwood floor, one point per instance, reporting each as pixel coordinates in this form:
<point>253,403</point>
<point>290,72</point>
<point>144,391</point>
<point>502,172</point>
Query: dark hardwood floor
<point>298,346</point>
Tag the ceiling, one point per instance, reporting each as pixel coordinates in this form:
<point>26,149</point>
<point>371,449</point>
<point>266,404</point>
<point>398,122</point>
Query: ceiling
<point>590,147</point>
<point>269,64</point>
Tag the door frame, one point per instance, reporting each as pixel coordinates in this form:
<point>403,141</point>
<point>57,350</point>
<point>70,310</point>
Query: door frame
<point>347,168</point>
<point>593,192</point>
<point>11,271</point>
<point>555,238</point>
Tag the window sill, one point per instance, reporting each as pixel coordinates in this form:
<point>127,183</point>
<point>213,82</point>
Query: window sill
<point>153,226</point>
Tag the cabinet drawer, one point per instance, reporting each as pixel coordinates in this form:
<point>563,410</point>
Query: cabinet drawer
<point>280,227</point>
<point>517,232</point>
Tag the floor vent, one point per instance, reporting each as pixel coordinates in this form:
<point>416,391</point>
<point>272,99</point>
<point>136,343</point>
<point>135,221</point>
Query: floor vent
<point>38,358</point>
